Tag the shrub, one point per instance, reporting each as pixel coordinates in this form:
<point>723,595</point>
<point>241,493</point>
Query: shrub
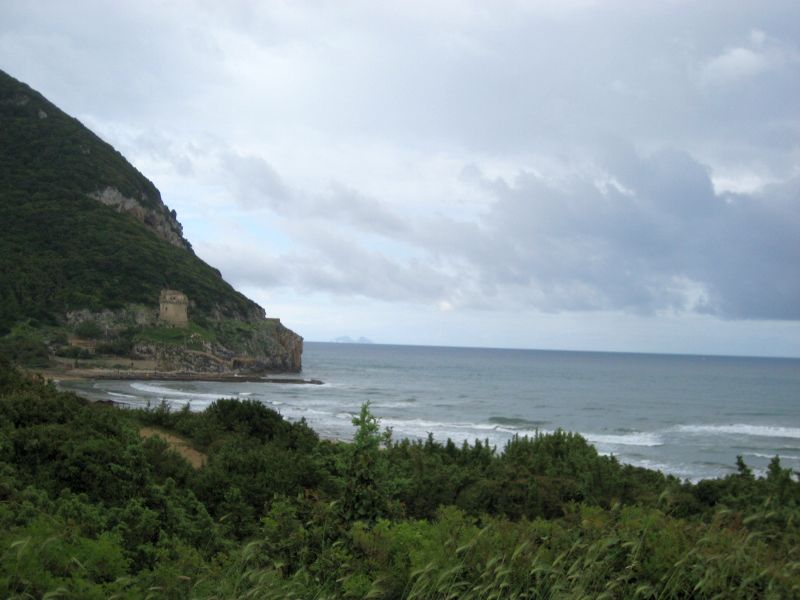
<point>89,330</point>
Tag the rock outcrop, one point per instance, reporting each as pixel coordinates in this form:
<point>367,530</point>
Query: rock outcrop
<point>111,322</point>
<point>259,346</point>
<point>161,222</point>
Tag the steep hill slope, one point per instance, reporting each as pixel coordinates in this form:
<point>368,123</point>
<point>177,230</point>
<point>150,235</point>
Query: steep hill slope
<point>87,245</point>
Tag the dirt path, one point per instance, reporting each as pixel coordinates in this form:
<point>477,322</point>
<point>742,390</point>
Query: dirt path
<point>180,445</point>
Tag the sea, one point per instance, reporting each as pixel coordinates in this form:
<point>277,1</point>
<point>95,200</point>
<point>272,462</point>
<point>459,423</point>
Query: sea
<point>689,416</point>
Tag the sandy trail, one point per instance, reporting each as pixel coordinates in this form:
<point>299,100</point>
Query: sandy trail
<point>178,444</point>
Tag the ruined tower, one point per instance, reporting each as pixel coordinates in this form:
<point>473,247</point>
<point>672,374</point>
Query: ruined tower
<point>173,308</point>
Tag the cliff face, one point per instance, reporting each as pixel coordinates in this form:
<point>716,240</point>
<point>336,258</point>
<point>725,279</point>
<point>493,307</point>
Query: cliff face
<point>159,220</point>
<point>88,244</point>
<point>282,353</point>
<point>224,347</point>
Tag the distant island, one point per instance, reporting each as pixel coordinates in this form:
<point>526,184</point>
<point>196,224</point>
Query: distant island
<point>346,339</point>
<point>95,273</point>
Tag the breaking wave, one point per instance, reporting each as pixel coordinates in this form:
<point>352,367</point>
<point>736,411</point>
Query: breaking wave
<point>634,438</point>
<point>743,429</point>
<point>169,392</point>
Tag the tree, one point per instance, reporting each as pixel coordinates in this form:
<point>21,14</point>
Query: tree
<point>366,476</point>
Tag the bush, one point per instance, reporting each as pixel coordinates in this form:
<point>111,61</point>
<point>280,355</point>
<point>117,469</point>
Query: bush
<point>116,347</point>
<point>89,330</point>
<point>74,352</point>
<point>275,513</point>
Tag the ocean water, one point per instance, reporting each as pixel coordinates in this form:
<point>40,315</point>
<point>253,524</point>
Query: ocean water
<point>685,415</point>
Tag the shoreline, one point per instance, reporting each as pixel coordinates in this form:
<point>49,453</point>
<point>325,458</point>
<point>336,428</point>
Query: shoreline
<point>119,375</point>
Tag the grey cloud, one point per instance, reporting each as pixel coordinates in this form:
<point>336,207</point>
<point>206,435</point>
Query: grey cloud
<point>358,209</point>
<point>340,264</point>
<point>245,264</point>
<point>126,57</point>
<point>254,182</point>
<point>641,233</point>
<point>759,54</point>
<point>505,80</point>
<point>166,149</point>
<point>662,240</point>
<point>330,263</point>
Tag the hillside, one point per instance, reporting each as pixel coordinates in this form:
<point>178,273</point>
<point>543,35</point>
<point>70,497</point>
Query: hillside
<point>86,247</point>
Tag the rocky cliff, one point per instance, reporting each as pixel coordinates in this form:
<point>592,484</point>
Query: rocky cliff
<point>279,350</point>
<point>225,346</point>
<point>160,220</point>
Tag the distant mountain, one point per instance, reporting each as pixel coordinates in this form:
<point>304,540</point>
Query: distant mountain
<point>346,339</point>
<point>86,238</point>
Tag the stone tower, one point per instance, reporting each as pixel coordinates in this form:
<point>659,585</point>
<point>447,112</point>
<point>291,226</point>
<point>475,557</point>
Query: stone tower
<point>174,306</point>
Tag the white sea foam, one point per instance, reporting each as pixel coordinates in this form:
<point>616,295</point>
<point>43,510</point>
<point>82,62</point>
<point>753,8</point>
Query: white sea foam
<point>170,393</point>
<point>742,429</point>
<point>381,405</point>
<point>781,456</point>
<point>118,395</point>
<point>421,428</point>
<point>418,423</point>
<point>458,431</point>
<point>634,438</point>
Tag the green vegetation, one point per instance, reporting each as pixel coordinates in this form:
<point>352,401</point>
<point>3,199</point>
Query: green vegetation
<point>89,330</point>
<point>25,345</point>
<point>62,250</point>
<point>90,510</point>
<point>60,253</point>
<point>173,335</point>
<point>42,149</point>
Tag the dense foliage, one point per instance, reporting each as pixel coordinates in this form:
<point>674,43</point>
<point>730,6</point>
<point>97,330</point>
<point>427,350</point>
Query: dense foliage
<point>60,253</point>
<point>88,509</point>
<point>61,250</point>
<point>44,149</point>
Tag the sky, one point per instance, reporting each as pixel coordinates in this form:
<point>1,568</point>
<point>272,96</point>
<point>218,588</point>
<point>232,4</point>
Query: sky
<point>575,174</point>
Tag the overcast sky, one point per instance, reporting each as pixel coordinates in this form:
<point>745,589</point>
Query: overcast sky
<point>568,174</point>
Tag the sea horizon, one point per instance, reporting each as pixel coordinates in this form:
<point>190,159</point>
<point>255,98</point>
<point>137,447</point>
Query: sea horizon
<point>570,350</point>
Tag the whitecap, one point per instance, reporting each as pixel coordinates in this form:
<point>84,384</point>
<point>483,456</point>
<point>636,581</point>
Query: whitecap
<point>169,392</point>
<point>770,456</point>
<point>743,429</point>
<point>635,438</point>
